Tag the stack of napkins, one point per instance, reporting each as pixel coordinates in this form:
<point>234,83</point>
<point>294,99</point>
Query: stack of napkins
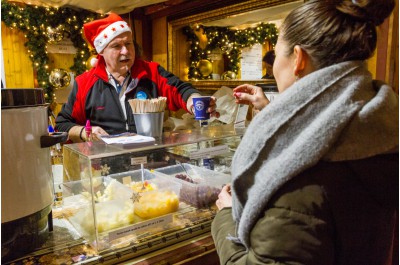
<point>128,140</point>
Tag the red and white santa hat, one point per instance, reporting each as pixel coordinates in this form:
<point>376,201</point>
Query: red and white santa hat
<point>100,32</point>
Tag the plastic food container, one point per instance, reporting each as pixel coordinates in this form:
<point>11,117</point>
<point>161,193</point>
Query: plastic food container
<point>206,185</point>
<point>105,207</point>
<point>157,196</point>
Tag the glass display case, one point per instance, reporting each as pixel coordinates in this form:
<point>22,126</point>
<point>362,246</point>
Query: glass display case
<point>146,198</point>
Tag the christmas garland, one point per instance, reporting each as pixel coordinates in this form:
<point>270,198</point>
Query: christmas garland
<point>229,41</point>
<point>34,21</point>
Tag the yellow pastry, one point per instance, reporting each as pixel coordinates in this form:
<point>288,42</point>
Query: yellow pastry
<point>156,203</point>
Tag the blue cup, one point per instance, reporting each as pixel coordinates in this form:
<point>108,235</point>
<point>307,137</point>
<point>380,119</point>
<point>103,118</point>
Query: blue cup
<point>201,104</point>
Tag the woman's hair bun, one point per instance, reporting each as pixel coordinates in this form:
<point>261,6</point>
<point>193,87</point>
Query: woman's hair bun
<point>374,11</point>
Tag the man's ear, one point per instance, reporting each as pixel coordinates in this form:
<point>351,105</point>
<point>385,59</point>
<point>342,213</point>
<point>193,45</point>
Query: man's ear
<point>300,60</point>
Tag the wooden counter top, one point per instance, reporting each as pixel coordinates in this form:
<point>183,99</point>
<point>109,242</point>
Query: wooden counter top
<point>193,245</point>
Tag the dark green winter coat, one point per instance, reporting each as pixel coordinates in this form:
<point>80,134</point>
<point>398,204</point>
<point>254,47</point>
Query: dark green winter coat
<point>333,213</point>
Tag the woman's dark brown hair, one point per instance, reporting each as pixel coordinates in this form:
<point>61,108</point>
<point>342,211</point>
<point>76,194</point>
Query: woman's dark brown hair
<point>334,31</point>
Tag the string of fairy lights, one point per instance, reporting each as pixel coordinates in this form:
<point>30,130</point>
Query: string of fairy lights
<point>204,40</point>
<point>40,25</point>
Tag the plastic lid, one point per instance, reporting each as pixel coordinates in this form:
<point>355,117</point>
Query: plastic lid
<point>24,97</point>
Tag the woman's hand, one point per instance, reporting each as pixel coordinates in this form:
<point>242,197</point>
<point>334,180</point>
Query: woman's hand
<point>250,95</point>
<point>224,197</point>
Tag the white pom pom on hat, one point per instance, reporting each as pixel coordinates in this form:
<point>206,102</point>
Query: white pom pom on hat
<point>100,32</point>
<point>93,62</point>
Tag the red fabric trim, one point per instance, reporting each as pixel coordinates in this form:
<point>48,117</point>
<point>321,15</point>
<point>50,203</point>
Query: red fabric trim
<point>85,83</point>
<point>141,70</point>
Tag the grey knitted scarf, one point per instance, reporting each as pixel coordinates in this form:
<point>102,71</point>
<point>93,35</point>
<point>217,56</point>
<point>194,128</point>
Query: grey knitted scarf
<point>331,114</point>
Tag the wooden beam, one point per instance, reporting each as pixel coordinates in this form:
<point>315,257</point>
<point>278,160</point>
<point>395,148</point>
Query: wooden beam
<point>174,9</point>
<point>162,6</point>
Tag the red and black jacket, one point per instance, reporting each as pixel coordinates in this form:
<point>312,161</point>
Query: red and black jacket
<point>94,98</point>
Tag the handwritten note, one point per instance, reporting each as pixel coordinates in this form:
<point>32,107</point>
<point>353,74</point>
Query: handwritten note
<point>251,63</point>
<point>128,140</point>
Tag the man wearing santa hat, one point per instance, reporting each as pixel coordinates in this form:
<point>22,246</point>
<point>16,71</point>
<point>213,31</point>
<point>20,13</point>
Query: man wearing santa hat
<point>101,95</point>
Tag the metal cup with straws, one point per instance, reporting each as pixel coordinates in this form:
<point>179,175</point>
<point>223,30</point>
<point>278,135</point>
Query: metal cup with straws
<point>149,115</point>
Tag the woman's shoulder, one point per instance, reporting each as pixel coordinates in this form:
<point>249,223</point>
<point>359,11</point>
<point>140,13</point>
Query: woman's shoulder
<point>335,185</point>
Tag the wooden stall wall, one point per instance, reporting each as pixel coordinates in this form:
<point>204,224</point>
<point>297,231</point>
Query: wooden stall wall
<point>17,65</point>
<point>159,41</point>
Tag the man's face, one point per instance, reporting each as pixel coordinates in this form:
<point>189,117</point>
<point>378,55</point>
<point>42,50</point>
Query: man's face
<point>119,54</point>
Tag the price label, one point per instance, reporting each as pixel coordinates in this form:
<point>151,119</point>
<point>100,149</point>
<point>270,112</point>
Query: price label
<point>155,222</point>
<point>211,151</point>
<point>138,160</point>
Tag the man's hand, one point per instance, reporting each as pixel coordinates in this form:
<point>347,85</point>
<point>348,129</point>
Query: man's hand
<point>77,134</point>
<point>212,109</point>
<point>97,132</point>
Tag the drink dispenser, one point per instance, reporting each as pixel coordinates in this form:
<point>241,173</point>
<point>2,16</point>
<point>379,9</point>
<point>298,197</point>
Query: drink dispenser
<point>26,176</point>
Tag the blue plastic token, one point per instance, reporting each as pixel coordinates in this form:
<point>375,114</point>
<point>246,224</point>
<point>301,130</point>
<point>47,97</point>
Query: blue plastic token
<point>141,95</point>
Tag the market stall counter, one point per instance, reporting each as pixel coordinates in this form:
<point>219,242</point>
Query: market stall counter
<point>143,205</point>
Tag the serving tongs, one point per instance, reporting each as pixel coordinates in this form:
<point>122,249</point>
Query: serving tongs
<point>142,171</point>
<point>184,169</point>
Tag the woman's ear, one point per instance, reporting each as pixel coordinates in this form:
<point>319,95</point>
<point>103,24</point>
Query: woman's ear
<point>300,60</point>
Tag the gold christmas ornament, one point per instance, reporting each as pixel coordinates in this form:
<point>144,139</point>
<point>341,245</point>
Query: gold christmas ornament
<point>205,67</point>
<point>55,35</point>
<point>59,78</point>
<point>228,75</point>
<point>91,62</point>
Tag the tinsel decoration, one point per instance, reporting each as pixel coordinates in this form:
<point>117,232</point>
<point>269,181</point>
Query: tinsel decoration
<point>34,22</point>
<point>230,41</point>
